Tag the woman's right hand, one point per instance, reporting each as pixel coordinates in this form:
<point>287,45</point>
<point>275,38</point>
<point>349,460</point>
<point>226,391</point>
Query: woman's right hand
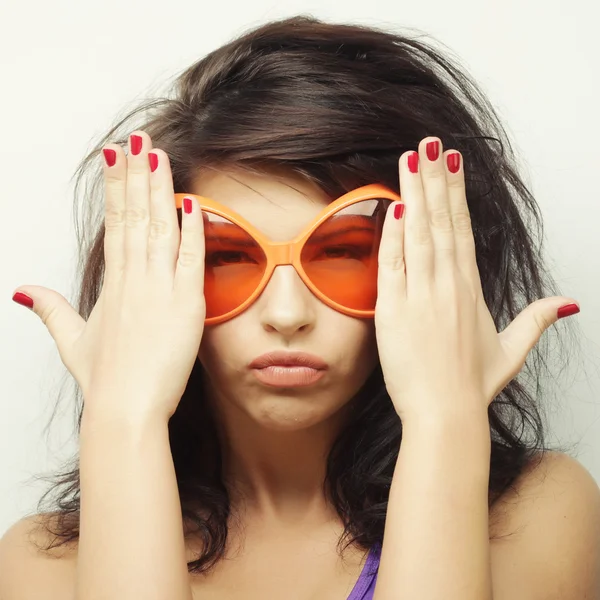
<point>134,355</point>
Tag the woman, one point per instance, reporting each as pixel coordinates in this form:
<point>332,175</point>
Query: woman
<point>253,407</point>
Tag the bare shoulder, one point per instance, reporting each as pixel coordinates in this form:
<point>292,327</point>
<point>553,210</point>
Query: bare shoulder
<point>552,482</point>
<point>28,570</point>
<point>548,545</point>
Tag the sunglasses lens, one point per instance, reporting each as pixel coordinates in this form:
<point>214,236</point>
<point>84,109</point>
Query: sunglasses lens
<point>234,265</point>
<point>341,256</point>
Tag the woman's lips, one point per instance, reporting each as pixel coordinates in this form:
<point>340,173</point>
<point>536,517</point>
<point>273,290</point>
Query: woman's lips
<point>288,376</point>
<point>288,359</point>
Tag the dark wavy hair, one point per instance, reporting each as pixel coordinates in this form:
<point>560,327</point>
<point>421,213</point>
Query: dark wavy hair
<point>337,104</point>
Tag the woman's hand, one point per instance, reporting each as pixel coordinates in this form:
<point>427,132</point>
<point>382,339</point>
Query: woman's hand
<point>135,353</point>
<point>437,341</point>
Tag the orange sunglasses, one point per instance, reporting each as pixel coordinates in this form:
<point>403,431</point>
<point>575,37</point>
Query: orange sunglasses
<point>336,255</point>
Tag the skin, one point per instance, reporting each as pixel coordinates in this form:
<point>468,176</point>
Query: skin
<point>277,497</point>
<point>283,525</point>
<point>266,429</point>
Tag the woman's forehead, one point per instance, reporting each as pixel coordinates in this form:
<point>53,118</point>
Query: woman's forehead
<point>278,206</point>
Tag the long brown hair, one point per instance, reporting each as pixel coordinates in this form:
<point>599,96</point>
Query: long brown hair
<point>337,104</point>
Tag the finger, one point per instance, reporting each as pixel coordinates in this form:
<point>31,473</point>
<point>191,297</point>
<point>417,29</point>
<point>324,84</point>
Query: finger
<point>62,321</point>
<point>418,244</point>
<point>464,241</point>
<point>391,270</point>
<point>435,185</point>
<point>526,329</point>
<point>137,202</point>
<point>189,274</point>
<point>115,178</point>
<point>164,236</point>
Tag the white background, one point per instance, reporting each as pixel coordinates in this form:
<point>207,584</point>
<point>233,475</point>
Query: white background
<point>69,68</point>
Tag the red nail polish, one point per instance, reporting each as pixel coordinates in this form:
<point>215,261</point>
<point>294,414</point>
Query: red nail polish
<point>453,161</point>
<point>153,160</point>
<point>110,156</point>
<point>433,150</point>
<point>24,299</point>
<point>187,205</point>
<point>136,144</point>
<point>413,162</point>
<point>398,211</point>
<point>567,310</point>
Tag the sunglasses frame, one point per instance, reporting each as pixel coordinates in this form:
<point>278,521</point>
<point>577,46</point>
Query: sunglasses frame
<point>289,253</point>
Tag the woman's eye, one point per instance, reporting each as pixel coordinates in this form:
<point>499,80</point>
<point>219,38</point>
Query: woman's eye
<point>228,257</point>
<point>337,252</point>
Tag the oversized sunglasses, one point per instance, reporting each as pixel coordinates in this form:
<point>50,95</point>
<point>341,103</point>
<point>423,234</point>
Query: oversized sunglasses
<point>336,255</point>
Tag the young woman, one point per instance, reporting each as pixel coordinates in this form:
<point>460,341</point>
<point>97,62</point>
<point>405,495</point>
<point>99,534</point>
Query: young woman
<point>303,319</point>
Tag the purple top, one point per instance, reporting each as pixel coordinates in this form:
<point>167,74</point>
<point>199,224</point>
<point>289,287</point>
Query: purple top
<point>365,585</point>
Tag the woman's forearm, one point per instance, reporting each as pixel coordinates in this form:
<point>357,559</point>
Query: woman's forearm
<point>131,541</point>
<point>436,541</point>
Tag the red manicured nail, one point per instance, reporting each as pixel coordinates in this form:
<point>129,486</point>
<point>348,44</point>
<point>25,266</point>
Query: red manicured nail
<point>110,156</point>
<point>433,150</point>
<point>153,160</point>
<point>398,211</point>
<point>453,161</point>
<point>413,162</point>
<point>567,310</point>
<point>135,142</point>
<point>24,299</point>
<point>187,205</point>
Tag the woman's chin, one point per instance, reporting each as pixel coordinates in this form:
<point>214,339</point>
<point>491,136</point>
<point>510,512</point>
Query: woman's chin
<point>288,413</point>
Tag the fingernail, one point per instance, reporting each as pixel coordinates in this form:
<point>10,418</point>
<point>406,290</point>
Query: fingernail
<point>24,299</point>
<point>153,160</point>
<point>453,161</point>
<point>110,156</point>
<point>398,210</point>
<point>413,162</point>
<point>187,205</point>
<point>567,310</point>
<point>136,143</point>
<point>433,150</point>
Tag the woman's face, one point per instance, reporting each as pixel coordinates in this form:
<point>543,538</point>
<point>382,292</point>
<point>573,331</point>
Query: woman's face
<point>286,316</point>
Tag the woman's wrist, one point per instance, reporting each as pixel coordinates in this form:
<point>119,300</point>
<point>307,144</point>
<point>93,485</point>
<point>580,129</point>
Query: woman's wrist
<point>453,414</point>
<point>126,420</point>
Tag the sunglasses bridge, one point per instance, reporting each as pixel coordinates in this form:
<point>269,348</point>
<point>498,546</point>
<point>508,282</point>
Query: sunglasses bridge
<point>281,253</point>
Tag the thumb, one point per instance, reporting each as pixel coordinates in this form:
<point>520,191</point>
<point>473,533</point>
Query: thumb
<point>525,331</point>
<point>64,323</point>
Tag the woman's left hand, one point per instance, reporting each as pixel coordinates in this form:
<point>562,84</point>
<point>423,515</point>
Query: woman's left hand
<point>438,344</point>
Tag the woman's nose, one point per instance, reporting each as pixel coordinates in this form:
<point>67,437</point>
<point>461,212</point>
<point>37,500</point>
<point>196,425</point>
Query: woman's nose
<point>286,304</point>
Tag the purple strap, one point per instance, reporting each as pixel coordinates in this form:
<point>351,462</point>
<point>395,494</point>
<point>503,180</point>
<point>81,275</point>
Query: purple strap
<point>365,585</point>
